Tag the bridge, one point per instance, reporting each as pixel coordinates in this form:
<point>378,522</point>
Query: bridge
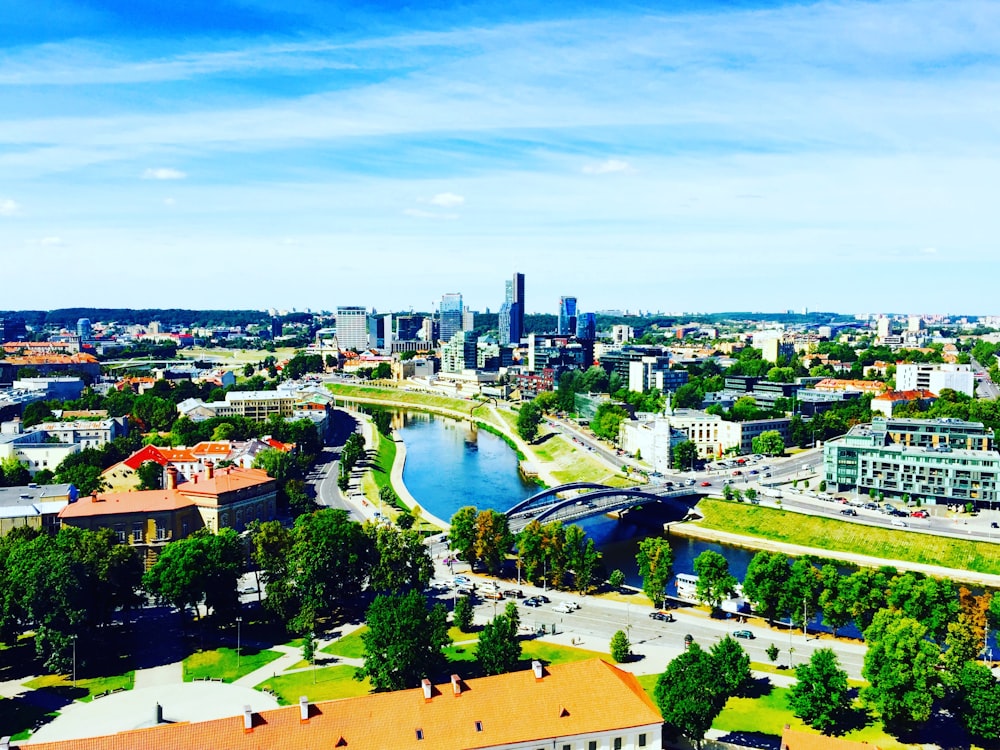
<point>547,506</point>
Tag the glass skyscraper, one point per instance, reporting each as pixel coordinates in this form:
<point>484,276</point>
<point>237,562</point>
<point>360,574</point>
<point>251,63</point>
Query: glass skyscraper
<point>567,316</point>
<point>451,316</point>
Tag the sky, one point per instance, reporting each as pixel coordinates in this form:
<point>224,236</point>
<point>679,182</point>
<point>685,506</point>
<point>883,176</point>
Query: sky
<point>675,156</point>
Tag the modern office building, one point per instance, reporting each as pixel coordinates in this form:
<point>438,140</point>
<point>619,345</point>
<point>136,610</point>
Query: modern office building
<point>84,330</point>
<point>653,440</point>
<point>451,316</point>
<point>352,328</point>
<point>511,318</point>
<point>12,328</point>
<point>622,334</point>
<point>713,435</point>
<point>408,326</point>
<point>567,316</point>
<point>654,373</point>
<point>459,354</point>
<point>586,326</point>
<point>935,378</point>
<point>939,461</point>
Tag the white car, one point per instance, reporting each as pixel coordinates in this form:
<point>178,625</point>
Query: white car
<point>563,608</point>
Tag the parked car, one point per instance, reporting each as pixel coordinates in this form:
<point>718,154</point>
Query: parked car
<point>921,514</point>
<point>897,522</point>
<point>662,616</point>
<point>513,593</point>
<point>744,634</point>
<point>706,484</point>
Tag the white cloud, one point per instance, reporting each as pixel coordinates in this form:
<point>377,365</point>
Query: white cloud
<point>929,251</point>
<point>50,241</point>
<point>447,200</point>
<point>607,167</point>
<point>417,213</point>
<point>169,201</point>
<point>163,173</point>
<point>9,207</point>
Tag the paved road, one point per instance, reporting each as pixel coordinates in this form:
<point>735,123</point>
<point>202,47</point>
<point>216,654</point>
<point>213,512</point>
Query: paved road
<point>323,475</point>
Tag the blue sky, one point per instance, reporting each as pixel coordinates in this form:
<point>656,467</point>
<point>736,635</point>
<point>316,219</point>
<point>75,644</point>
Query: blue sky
<point>677,156</point>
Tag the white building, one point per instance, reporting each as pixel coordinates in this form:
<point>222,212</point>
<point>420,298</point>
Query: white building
<point>935,378</point>
<point>352,328</point>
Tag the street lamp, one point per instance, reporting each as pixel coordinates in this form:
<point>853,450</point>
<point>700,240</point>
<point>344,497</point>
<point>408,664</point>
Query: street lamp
<point>74,661</point>
<point>239,621</point>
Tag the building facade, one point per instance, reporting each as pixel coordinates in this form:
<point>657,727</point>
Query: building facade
<point>935,378</point>
<point>451,316</point>
<point>567,316</point>
<point>352,328</point>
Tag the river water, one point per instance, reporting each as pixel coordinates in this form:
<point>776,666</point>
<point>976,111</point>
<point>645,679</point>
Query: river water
<point>450,464</point>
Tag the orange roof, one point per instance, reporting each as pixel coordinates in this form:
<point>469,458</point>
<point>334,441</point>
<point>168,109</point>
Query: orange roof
<point>904,395</point>
<point>54,359</point>
<point>179,455</point>
<point>112,503</point>
<point>794,740</point>
<point>571,699</point>
<point>217,448</point>
<point>225,480</point>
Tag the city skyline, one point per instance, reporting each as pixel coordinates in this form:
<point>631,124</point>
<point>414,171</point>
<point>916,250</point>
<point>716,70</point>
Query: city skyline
<point>768,155</point>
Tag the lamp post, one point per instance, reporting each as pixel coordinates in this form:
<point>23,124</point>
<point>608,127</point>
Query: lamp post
<point>239,621</point>
<point>74,661</point>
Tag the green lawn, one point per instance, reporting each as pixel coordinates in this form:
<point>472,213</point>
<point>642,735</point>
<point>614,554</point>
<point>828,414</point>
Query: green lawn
<point>222,662</point>
<point>843,536</point>
<point>350,646</point>
<point>85,689</point>
<point>553,653</point>
<point>320,684</point>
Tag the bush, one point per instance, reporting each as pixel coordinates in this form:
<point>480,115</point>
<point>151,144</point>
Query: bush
<point>621,649</point>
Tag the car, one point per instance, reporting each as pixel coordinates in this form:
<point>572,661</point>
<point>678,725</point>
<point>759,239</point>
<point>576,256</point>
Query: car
<point>706,484</point>
<point>737,473</point>
<point>744,634</point>
<point>840,500</point>
<point>897,522</point>
<point>248,589</point>
<point>542,598</point>
<point>460,581</point>
<point>848,512</point>
<point>995,525</point>
<point>532,601</point>
<point>563,608</point>
<point>513,593</point>
<point>690,482</point>
<point>753,471</point>
<point>662,616</point>
<point>920,514</point>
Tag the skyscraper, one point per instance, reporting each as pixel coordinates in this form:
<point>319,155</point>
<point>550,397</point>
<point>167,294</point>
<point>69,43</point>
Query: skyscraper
<point>511,321</point>
<point>83,329</point>
<point>567,316</point>
<point>451,315</point>
<point>352,328</point>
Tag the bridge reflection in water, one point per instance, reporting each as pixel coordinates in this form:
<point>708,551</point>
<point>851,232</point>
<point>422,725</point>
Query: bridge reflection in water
<point>592,499</point>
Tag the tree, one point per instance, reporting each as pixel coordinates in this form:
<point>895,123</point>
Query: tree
<point>150,475</point>
<point>13,473</point>
<point>402,561</point>
<point>980,696</point>
<point>715,582</point>
<point>582,557</point>
<point>621,649</point>
<point>498,649</point>
<point>689,694</point>
<point>298,499</point>
<point>271,550</point>
<point>900,669</point>
<point>462,616</point>
<point>772,652</point>
<point>222,431</point>
<point>821,696</point>
<point>86,478</point>
<point>801,595</point>
<point>688,396</point>
<point>769,442</point>
<point>617,579</point>
<point>732,665</point>
<point>765,582</point>
<point>493,539</point>
<point>684,456</point>
<point>462,534</point>
<point>832,602</point>
<point>963,646</point>
<point>404,641</point>
<point>528,419</point>
<point>656,566</point>
<point>751,495</point>
<point>204,567</point>
<point>607,420</point>
<point>383,421</point>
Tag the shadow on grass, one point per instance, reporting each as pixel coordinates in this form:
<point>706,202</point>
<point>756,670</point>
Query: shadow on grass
<point>757,688</point>
<point>24,714</point>
<point>19,661</point>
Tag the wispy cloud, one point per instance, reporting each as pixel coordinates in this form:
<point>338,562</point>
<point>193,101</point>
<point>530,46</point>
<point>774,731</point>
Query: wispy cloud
<point>163,173</point>
<point>417,213</point>
<point>607,167</point>
<point>50,241</point>
<point>447,200</point>
<point>9,207</point>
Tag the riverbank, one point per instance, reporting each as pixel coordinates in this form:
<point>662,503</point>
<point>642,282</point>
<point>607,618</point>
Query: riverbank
<point>696,530</point>
<point>399,486</point>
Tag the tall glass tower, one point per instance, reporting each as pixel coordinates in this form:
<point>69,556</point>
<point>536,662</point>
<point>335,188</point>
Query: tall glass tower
<point>451,316</point>
<point>567,316</point>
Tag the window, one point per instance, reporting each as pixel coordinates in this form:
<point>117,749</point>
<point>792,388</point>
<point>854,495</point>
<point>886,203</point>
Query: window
<point>642,740</point>
<point>120,531</point>
<point>592,745</point>
<point>566,747</point>
<point>618,743</point>
<point>137,533</point>
<point>479,726</point>
<point>420,734</point>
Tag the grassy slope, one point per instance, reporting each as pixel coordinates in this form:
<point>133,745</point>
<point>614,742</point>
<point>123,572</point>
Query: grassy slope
<point>831,534</point>
<point>221,663</point>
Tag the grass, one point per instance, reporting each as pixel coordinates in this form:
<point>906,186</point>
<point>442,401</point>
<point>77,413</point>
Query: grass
<point>350,646</point>
<point>575,465</point>
<point>87,688</point>
<point>222,663</point>
<point>236,356</point>
<point>320,684</point>
<point>842,536</point>
<point>553,653</point>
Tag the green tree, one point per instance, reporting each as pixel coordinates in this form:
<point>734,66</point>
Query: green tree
<point>499,650</point>
<point>402,562</point>
<point>462,617</point>
<point>13,473</point>
<point>203,568</point>
<point>528,418</point>
<point>689,694</point>
<point>980,696</point>
<point>621,648</point>
<point>222,431</point>
<point>383,421</point>
<point>271,550</point>
<point>770,443</point>
<point>607,420</point>
<point>732,665</point>
<point>765,582</point>
<point>688,396</point>
<point>582,557</point>
<point>750,494</point>
<point>900,669</point>
<point>821,696</point>
<point>801,594</point>
<point>617,579</point>
<point>772,652</point>
<point>963,646</point>
<point>531,549</point>
<point>404,641</point>
<point>832,602</point>
<point>462,533</point>
<point>150,475</point>
<point>685,455</point>
<point>656,565</point>
<point>715,582</point>
<point>298,499</point>
<point>493,539</point>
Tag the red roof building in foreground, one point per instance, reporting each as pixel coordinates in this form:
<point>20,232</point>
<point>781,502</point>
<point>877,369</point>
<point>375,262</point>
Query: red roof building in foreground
<point>587,704</point>
<point>794,740</point>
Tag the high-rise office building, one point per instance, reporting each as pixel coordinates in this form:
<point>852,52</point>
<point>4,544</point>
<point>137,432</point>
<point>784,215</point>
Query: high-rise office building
<point>451,315</point>
<point>586,326</point>
<point>567,316</point>
<point>352,328</point>
<point>517,308</point>
<point>83,330</point>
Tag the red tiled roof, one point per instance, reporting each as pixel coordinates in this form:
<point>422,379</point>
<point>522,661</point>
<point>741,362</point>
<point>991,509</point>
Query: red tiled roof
<point>146,453</point>
<point>916,395</point>
<point>225,480</point>
<point>112,503</point>
<point>570,699</point>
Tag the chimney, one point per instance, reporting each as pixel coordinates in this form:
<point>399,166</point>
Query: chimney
<point>247,719</point>
<point>93,496</point>
<point>194,478</point>
<point>158,714</point>
<point>303,708</point>
<point>171,477</point>
<point>456,685</point>
<point>209,469</point>
<point>426,685</point>
<point>536,667</point>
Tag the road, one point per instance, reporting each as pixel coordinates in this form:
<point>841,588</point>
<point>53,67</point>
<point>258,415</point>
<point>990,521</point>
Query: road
<point>986,388</point>
<point>323,475</point>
